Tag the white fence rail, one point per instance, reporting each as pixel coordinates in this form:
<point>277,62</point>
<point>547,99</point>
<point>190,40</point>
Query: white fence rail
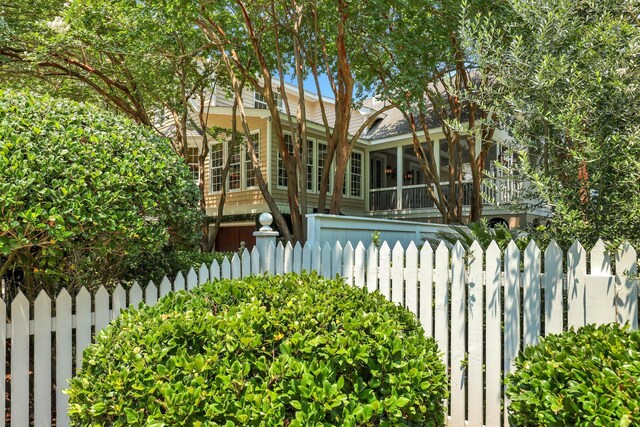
<point>323,228</point>
<point>473,304</point>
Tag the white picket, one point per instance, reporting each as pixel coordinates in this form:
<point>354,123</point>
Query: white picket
<point>316,257</point>
<point>225,269</point>
<point>411,279</point>
<point>372,268</point>
<point>246,263</point>
<point>255,261</point>
<point>336,264</point>
<point>288,258</point>
<point>358,266</point>
<point>306,257</point>
<point>553,273</point>
<point>425,278</point>
<point>271,258</point>
<point>576,271</point>
<point>236,267</point>
<point>20,361</point>
<point>397,274</point>
<point>531,295</point>
<point>64,356</point>
<point>511,311</point>
<point>297,258</point>
<point>475,313</point>
<point>347,264</point>
<point>326,261</point>
<point>101,309</point>
<point>467,306</point>
<point>135,295</point>
<point>119,301</point>
<point>3,357</point>
<point>150,294</point>
<point>442,301</point>
<point>42,360</point>
<point>192,279</point>
<point>165,285</point>
<point>179,283</point>
<point>600,259</point>
<point>279,259</point>
<point>493,307</point>
<point>384,270</point>
<point>627,285</point>
<point>83,324</point>
<point>458,384</point>
<point>214,270</point>
<point>203,274</point>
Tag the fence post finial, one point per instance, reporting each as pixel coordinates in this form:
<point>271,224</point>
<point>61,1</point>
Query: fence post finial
<point>264,237</point>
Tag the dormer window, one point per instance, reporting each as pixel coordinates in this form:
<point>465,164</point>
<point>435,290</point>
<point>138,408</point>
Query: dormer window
<point>260,102</point>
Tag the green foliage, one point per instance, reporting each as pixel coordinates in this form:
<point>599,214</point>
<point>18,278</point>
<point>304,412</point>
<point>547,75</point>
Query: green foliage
<point>295,350</point>
<point>169,262</point>
<point>566,88</point>
<point>483,234</point>
<point>587,377</point>
<point>82,190</point>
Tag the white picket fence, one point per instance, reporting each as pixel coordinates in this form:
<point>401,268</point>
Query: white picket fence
<point>482,308</point>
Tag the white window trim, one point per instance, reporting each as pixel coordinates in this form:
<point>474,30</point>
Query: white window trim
<point>314,165</point>
<point>279,159</point>
<point>243,167</point>
<point>210,167</point>
<point>279,101</point>
<point>362,177</point>
<point>244,164</point>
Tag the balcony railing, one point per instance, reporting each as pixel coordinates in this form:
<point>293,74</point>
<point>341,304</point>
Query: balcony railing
<point>495,192</point>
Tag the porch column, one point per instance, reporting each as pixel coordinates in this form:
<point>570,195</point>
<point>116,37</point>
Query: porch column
<point>399,176</point>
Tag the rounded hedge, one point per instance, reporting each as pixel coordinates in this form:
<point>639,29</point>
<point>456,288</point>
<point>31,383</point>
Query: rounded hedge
<point>278,350</point>
<point>82,189</point>
<point>589,377</point>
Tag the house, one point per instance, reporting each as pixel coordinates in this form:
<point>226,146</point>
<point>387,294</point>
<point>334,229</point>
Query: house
<point>383,180</point>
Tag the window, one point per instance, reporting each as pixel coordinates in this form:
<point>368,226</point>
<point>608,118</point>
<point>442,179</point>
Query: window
<point>216,162</point>
<point>356,174</point>
<point>322,156</point>
<point>234,180</point>
<point>192,161</point>
<point>250,171</point>
<point>282,171</point>
<point>310,164</point>
<point>260,102</point>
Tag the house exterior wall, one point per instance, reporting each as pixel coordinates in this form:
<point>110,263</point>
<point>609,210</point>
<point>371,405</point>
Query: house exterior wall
<point>250,200</point>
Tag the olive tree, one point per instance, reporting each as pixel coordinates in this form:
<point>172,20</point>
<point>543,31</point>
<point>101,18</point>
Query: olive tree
<point>565,81</point>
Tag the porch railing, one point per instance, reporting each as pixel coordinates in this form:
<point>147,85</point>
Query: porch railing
<point>495,192</point>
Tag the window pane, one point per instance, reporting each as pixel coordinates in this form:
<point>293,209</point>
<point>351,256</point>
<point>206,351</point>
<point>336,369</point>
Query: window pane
<point>216,164</point>
<point>234,169</point>
<point>282,171</point>
<point>192,160</point>
<point>251,172</point>
<point>356,174</point>
<point>309,165</point>
<point>322,156</point>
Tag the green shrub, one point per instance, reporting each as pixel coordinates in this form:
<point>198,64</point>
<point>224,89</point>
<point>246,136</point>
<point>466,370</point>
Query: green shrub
<point>276,350</point>
<point>169,262</point>
<point>82,190</point>
<point>590,377</point>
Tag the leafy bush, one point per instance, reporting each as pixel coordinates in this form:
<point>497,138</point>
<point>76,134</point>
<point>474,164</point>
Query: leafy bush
<point>82,190</point>
<point>276,350</point>
<point>589,377</point>
<point>169,262</point>
<point>483,234</point>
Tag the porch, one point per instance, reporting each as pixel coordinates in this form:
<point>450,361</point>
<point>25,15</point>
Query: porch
<point>397,182</point>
